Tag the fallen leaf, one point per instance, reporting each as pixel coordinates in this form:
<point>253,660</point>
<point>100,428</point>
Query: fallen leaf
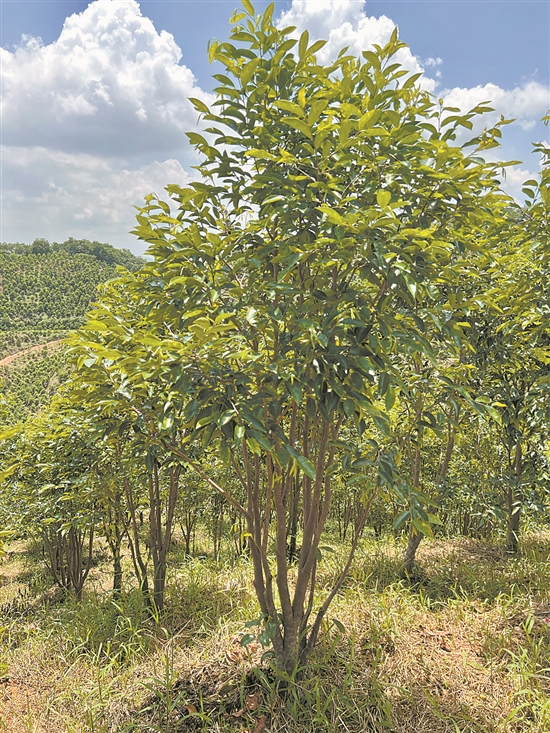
<point>191,709</point>
<point>260,724</point>
<point>253,701</point>
<point>238,713</point>
<point>233,656</point>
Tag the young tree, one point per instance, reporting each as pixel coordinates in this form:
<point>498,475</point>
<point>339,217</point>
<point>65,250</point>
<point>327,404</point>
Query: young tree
<point>332,211</point>
<point>51,486</point>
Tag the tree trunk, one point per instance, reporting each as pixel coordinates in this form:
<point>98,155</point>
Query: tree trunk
<point>113,529</point>
<point>514,500</point>
<point>75,558</point>
<point>293,521</point>
<point>410,553</point>
<point>117,572</point>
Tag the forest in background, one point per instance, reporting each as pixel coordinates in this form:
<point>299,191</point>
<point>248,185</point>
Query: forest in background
<point>297,476</point>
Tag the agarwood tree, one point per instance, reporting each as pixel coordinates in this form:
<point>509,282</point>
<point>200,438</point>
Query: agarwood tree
<point>50,487</point>
<point>333,208</point>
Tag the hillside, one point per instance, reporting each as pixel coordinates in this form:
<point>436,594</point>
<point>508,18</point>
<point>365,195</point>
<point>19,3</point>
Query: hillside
<point>45,291</point>
<point>48,288</point>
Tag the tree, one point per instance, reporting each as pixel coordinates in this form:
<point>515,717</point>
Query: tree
<point>52,491</point>
<point>512,340</point>
<point>333,208</point>
<point>40,247</point>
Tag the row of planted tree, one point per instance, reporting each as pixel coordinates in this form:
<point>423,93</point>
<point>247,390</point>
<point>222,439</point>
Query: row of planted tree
<point>343,325</point>
<point>50,287</point>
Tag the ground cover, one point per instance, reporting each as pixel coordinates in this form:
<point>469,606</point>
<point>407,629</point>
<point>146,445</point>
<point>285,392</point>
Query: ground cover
<point>463,647</point>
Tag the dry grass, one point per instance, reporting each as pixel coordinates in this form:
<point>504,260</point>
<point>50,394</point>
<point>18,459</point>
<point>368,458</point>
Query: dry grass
<point>465,649</point>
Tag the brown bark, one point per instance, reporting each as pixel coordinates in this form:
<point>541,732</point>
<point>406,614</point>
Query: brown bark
<point>410,553</point>
<point>514,500</point>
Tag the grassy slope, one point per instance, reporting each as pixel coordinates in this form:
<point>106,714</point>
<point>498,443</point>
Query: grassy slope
<point>464,650</point>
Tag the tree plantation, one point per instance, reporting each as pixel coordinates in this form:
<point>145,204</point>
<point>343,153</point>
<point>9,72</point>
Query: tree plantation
<point>295,474</point>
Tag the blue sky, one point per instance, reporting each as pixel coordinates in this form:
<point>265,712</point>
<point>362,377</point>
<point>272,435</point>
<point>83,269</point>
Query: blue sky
<point>94,95</point>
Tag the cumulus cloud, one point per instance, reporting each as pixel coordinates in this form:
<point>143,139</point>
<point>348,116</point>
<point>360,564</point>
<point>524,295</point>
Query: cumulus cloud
<point>527,104</point>
<point>345,23</point>
<point>76,194</point>
<point>92,123</point>
<point>109,85</point>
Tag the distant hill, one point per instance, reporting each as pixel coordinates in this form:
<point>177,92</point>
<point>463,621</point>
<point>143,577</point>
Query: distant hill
<point>45,291</point>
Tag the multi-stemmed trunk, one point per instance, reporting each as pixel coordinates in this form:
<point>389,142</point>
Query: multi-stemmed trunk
<point>160,531</point>
<point>161,522</point>
<point>77,552</point>
<point>69,556</point>
<point>415,536</point>
<point>269,486</point>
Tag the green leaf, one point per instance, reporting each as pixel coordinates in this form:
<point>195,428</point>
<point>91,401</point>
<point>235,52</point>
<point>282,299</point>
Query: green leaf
<point>333,216</point>
<point>423,527</point>
<point>225,452</point>
<point>247,5</point>
<point>317,46</point>
<point>248,71</point>
<point>383,198</point>
<point>401,519</point>
<point>199,105</point>
<point>295,390</point>
<point>390,398</point>
<point>299,125</point>
<point>383,383</point>
<point>304,463</point>
<point>302,46</point>
<point>246,639</point>
<point>287,106</point>
<point>368,119</point>
<point>317,108</point>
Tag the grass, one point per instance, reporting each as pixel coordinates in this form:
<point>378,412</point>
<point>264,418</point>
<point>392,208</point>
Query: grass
<point>462,649</point>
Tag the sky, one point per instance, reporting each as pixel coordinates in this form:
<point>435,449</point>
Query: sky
<point>94,95</point>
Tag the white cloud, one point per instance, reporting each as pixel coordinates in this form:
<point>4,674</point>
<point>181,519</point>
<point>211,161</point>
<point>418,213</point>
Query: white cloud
<point>432,62</point>
<point>527,103</point>
<point>512,180</point>
<point>92,123</point>
<point>344,23</point>
<point>95,120</point>
<point>109,85</point>
<point>78,195</point>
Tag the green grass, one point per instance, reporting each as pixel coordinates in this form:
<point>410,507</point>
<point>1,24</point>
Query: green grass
<point>463,648</point>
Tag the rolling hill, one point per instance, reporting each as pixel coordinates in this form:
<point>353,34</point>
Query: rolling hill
<point>45,291</point>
